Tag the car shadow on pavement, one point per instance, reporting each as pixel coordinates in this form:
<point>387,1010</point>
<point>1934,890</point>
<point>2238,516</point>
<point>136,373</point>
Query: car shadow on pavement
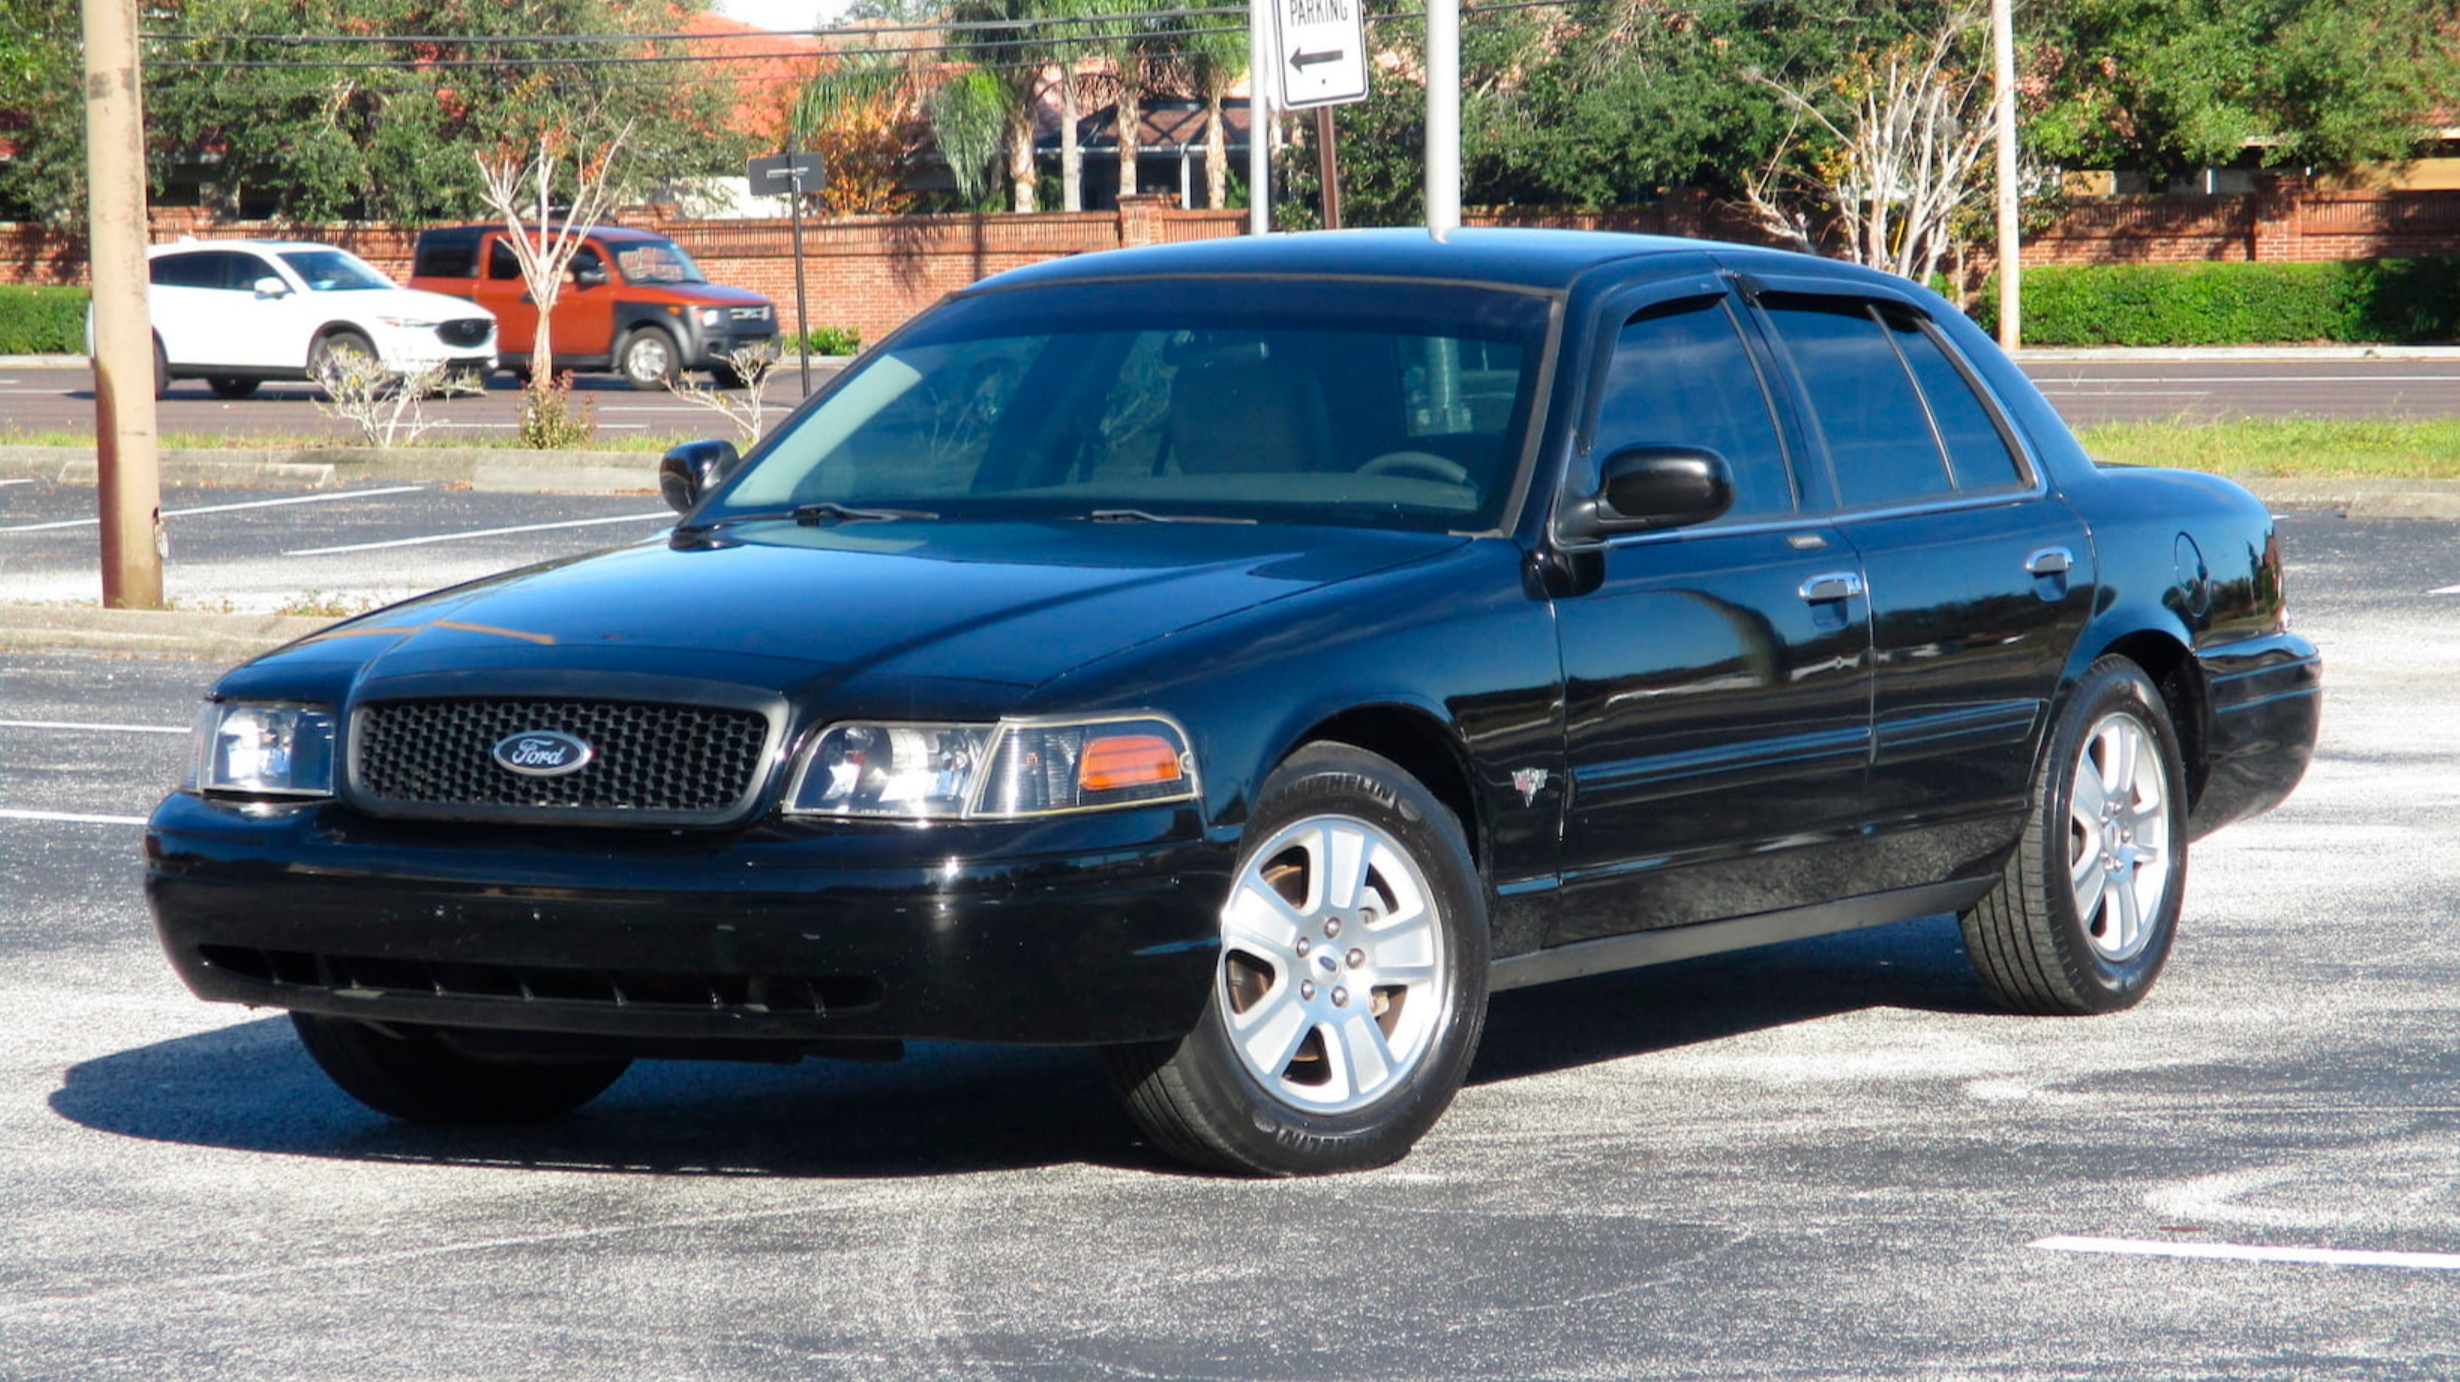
<point>1916,964</point>
<point>943,1110</point>
<point>949,1109</point>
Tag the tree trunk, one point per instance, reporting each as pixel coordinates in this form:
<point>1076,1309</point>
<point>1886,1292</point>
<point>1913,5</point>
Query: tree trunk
<point>1021,171</point>
<point>1131,123</point>
<point>1071,154</point>
<point>1216,153</point>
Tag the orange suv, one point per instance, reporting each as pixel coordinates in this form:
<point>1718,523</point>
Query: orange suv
<point>633,303</point>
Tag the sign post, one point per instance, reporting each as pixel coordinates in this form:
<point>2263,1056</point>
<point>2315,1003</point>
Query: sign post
<point>1320,47</point>
<point>796,170</point>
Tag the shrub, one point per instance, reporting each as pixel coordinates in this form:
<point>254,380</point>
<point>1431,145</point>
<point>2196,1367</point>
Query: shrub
<point>2363,301</point>
<point>42,321</point>
<point>829,340</point>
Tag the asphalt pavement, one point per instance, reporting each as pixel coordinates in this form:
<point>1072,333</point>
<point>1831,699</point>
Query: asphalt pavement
<point>1822,1160</point>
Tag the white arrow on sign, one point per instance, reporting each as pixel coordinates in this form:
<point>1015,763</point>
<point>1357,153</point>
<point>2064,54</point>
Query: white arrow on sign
<point>1322,45</point>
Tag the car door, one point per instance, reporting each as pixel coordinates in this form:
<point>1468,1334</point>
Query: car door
<point>1979,577</point>
<point>500,289</point>
<point>191,311</point>
<point>1717,678</point>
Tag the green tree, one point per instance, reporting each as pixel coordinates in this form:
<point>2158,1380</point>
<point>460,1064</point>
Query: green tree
<point>2168,86</point>
<point>42,112</point>
<point>388,130</point>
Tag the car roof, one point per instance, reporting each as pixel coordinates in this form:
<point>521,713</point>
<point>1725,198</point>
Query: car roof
<point>270,246</point>
<point>610,234</point>
<point>1543,260</point>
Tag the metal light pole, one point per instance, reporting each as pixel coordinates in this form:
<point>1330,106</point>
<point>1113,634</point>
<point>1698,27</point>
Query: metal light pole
<point>1259,117</point>
<point>2011,268</point>
<point>127,448</point>
<point>1443,117</point>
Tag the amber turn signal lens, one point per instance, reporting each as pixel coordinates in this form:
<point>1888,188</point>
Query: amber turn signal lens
<point>1127,760</point>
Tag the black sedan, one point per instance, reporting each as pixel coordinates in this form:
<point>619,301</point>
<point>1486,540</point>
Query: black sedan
<point>1243,658</point>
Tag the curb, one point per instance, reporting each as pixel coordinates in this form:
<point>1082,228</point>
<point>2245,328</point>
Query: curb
<point>161,632</point>
<point>492,468</point>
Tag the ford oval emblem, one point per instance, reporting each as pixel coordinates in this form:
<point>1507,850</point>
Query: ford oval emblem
<point>544,753</point>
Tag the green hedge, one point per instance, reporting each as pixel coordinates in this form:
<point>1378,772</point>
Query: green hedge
<point>42,321</point>
<point>2370,301</point>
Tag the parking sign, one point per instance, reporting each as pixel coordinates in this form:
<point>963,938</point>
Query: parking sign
<point>1321,46</point>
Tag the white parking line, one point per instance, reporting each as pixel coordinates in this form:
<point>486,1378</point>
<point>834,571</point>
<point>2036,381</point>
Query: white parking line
<point>482,532</point>
<point>2447,590</point>
<point>2233,1252</point>
<point>228,508</point>
<point>72,724</point>
<point>16,482</point>
<point>72,817</point>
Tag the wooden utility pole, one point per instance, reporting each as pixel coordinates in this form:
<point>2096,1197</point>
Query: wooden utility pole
<point>2011,267</point>
<point>127,449</point>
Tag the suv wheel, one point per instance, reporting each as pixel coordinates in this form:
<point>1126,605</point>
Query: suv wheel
<point>229,387</point>
<point>647,359</point>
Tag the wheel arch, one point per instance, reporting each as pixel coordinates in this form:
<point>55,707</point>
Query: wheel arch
<point>2171,665</point>
<point>1420,744</point>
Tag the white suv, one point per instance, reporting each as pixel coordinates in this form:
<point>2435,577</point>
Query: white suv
<point>238,312</point>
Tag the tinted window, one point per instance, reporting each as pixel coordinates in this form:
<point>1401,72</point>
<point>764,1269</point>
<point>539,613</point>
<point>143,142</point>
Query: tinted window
<point>1878,433</point>
<point>219,269</point>
<point>1977,449</point>
<point>501,262</point>
<point>1681,376</point>
<point>335,271</point>
<point>447,259</point>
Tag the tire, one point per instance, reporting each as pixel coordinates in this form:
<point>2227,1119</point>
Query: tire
<point>334,345</point>
<point>1347,1001</point>
<point>231,388</point>
<point>648,359</point>
<point>162,370</point>
<point>2084,916</point>
<point>411,1073</point>
<point>727,377</point>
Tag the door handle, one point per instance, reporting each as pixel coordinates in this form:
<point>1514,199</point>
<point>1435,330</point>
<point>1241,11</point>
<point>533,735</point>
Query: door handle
<point>1832,586</point>
<point>2050,561</point>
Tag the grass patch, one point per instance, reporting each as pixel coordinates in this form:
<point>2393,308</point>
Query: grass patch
<point>2288,448</point>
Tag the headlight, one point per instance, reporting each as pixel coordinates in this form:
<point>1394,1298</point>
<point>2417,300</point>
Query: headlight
<point>713,316</point>
<point>408,323</point>
<point>1016,768</point>
<point>262,748</point>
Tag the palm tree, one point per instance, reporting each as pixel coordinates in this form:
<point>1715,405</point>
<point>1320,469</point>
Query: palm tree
<point>1212,54</point>
<point>1127,39</point>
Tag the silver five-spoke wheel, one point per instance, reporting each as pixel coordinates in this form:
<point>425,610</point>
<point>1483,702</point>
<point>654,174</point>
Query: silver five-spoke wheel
<point>1332,963</point>
<point>2119,836</point>
<point>2087,904</point>
<point>1351,987</point>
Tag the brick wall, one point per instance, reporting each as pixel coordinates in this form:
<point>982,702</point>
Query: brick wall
<point>868,273</point>
<point>871,273</point>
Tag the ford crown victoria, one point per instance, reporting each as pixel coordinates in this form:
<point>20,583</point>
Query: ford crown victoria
<point>1244,658</point>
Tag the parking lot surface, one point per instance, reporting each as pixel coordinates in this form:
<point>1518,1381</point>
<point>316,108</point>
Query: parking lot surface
<point>1821,1160</point>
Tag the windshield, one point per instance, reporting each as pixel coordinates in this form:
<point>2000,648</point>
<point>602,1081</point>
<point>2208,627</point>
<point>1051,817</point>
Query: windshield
<point>658,262</point>
<point>334,271</point>
<point>1397,404</point>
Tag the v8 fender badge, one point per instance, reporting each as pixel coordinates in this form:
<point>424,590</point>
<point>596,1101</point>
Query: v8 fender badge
<point>543,753</point>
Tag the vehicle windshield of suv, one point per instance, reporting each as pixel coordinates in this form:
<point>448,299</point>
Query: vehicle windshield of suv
<point>1321,401</point>
<point>334,271</point>
<point>661,262</point>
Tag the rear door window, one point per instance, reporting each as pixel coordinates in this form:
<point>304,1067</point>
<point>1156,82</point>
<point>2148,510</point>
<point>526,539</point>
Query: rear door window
<point>1862,398</point>
<point>1978,454</point>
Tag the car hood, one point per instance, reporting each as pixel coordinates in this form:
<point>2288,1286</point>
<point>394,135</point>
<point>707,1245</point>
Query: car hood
<point>418,302</point>
<point>774,604</point>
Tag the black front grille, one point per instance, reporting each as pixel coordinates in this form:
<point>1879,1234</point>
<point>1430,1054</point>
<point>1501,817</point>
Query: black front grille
<point>464,333</point>
<point>676,761</point>
<point>747,993</point>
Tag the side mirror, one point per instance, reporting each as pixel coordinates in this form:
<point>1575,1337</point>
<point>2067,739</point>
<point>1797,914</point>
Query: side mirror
<point>693,469</point>
<point>271,287</point>
<point>590,277</point>
<point>1649,488</point>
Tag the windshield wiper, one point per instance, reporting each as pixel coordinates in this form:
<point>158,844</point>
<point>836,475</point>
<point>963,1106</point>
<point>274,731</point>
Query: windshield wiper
<point>830,511</point>
<point>1142,516</point>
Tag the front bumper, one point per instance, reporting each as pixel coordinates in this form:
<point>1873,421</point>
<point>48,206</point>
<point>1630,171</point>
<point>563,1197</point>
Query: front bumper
<point>2265,696</point>
<point>1084,930</point>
